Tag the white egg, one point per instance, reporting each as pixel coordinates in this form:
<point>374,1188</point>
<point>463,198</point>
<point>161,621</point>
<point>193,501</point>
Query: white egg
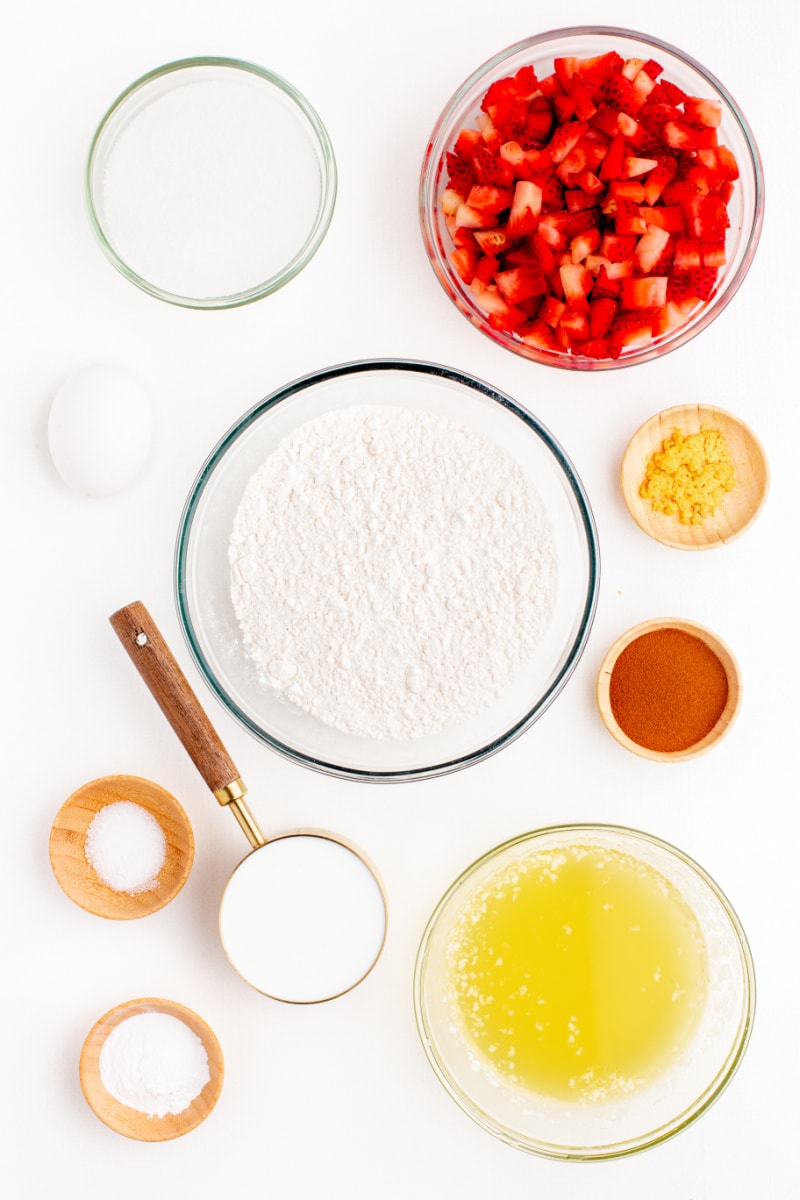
<point>100,430</point>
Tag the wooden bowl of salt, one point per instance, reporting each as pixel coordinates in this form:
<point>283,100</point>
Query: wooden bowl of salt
<point>694,477</point>
<point>151,1069</point>
<point>121,847</point>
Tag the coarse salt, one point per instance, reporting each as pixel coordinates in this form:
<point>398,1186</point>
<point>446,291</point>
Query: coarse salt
<point>126,846</point>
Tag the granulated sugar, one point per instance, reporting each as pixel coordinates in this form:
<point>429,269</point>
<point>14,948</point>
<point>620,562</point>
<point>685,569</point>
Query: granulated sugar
<point>391,571</point>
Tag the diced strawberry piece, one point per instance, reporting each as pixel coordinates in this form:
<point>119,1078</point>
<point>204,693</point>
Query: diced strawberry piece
<point>703,281</point>
<point>540,335</point>
<point>628,219</point>
<point>577,283</point>
<point>550,310</point>
<point>565,139</point>
<point>658,179</point>
<point>463,237</point>
<point>670,317</point>
<point>622,189</point>
<point>606,119</point>
<point>485,198</point>
<point>526,209</point>
<point>552,233</point>
<point>577,199</point>
<point>593,70</point>
<point>670,92</point>
<point>539,120</point>
<point>620,270</point>
<point>618,248</point>
<point>544,253</point>
<point>650,248</point>
<point>679,287</point>
<point>680,135</point>
<point>688,254</point>
<point>602,311</point>
<point>612,165</point>
<point>464,260</point>
<point>486,268</point>
<point>490,169</point>
<point>631,328</point>
<point>472,218</point>
<point>713,254</point>
<point>583,244</point>
<point>633,167</point>
<point>599,348</point>
<point>521,283</point>
<point>727,162</point>
<point>619,92</point>
<point>653,68</point>
<point>665,216</point>
<point>492,302</point>
<point>575,323</point>
<point>460,175</point>
<point>702,112</point>
<point>605,285</point>
<point>491,241</point>
<point>563,108</point>
<point>643,292</point>
<point>467,142</point>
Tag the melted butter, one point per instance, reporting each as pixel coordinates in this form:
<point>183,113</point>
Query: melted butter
<point>578,973</point>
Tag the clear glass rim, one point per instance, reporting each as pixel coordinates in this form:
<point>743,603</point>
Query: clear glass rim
<point>666,1131</point>
<point>316,233</point>
<point>427,200</point>
<point>285,393</point>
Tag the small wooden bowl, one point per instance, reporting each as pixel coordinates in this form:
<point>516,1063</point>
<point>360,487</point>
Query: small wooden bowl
<point>129,1121</point>
<point>738,508</point>
<point>78,877</point>
<point>726,718</point>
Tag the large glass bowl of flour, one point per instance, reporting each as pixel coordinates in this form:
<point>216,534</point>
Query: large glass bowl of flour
<point>387,570</point>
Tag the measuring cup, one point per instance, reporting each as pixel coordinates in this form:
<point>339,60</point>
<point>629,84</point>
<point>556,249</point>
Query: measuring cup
<point>303,917</point>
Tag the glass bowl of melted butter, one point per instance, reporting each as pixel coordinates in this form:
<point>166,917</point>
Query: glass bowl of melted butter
<point>584,991</point>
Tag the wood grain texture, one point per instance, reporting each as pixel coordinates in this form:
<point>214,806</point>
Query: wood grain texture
<point>129,1121</point>
<point>78,878</point>
<point>158,668</point>
<point>727,716</point>
<point>737,510</point>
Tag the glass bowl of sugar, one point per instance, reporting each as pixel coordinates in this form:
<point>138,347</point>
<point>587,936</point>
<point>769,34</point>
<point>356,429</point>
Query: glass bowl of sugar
<point>387,570</point>
<point>210,182</point>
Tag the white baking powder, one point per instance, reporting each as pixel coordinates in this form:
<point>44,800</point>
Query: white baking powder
<point>391,571</point>
<point>155,1063</point>
<point>126,846</point>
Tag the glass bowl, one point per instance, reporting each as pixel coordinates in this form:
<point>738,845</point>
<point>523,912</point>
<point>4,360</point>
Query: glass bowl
<point>745,206</point>
<point>210,182</point>
<point>618,1119</point>
<point>203,573</point>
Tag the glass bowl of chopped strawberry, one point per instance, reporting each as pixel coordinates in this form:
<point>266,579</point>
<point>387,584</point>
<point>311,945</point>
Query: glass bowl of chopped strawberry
<point>591,198</point>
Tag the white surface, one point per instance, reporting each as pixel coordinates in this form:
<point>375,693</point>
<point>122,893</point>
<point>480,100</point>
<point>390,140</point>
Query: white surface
<point>338,1099</point>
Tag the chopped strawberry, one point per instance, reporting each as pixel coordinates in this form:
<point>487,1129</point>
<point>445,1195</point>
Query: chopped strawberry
<point>526,208</point>
<point>491,169</point>
<point>521,283</point>
<point>460,175</point>
<point>588,210</point>
<point>703,281</point>
<point>645,292</point>
<point>601,313</point>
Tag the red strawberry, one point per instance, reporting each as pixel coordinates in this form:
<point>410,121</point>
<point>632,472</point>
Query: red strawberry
<point>521,283</point>
<point>601,313</point>
<point>652,68</point>
<point>702,282</point>
<point>491,170</point>
<point>460,175</point>
<point>619,92</point>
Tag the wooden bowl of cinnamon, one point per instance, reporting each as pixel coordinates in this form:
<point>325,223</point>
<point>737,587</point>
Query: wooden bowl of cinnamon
<point>669,689</point>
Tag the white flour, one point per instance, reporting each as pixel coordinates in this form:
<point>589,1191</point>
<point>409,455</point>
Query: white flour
<point>391,572</point>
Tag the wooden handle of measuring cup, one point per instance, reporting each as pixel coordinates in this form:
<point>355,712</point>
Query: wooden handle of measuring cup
<point>157,666</point>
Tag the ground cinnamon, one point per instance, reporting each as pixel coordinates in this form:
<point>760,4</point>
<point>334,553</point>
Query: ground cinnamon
<point>668,689</point>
